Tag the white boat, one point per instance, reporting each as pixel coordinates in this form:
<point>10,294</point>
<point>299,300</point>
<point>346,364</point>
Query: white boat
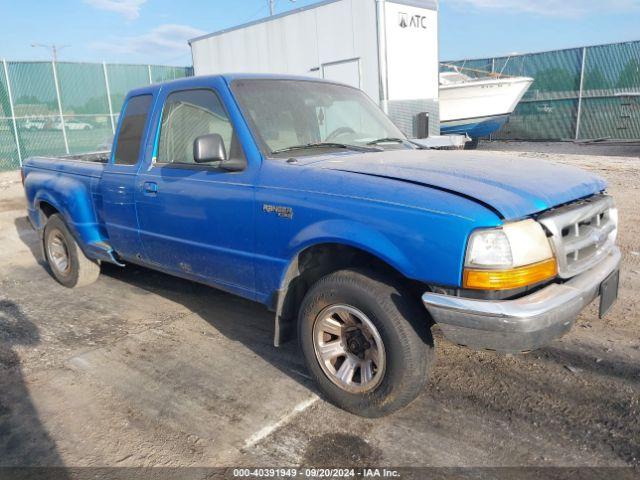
<point>477,107</point>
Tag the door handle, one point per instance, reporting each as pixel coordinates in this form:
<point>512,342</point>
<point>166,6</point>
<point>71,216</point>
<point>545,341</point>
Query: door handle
<point>150,188</point>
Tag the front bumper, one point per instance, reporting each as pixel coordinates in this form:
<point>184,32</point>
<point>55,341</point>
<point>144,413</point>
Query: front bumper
<point>524,324</point>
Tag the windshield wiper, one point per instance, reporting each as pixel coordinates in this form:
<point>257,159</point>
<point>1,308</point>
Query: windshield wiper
<point>397,140</point>
<point>387,140</point>
<point>346,146</point>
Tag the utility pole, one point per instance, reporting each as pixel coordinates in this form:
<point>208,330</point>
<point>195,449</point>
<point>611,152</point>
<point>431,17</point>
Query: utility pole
<point>53,48</point>
<point>54,67</point>
<point>272,6</point>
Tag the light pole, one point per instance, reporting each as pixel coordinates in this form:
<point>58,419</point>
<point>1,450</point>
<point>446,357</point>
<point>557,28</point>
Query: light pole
<point>54,49</point>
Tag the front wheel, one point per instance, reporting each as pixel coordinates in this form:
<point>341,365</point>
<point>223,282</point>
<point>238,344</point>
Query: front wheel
<point>68,263</point>
<point>366,342</point>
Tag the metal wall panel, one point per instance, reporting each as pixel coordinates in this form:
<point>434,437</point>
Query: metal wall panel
<point>403,114</point>
<point>298,43</point>
<point>365,43</point>
<point>336,26</point>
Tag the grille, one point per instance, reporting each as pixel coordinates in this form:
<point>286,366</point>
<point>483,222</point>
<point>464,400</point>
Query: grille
<point>582,233</point>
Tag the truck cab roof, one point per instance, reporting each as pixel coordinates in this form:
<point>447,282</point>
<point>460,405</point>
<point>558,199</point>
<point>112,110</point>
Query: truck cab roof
<point>193,82</point>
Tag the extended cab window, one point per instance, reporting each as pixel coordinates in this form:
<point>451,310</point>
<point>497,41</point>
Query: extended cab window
<point>186,116</point>
<point>132,129</point>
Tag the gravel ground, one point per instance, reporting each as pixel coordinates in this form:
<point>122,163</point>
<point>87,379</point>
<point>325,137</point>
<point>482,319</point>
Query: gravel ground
<point>142,369</point>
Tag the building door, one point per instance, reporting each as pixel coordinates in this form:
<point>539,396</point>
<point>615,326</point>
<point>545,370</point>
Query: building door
<point>343,71</point>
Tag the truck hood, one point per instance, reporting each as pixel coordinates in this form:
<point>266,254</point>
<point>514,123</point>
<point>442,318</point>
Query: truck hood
<point>514,187</point>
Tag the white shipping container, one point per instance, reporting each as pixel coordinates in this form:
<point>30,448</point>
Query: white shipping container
<point>388,48</point>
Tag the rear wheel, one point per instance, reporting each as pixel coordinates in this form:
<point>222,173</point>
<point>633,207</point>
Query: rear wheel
<point>366,342</point>
<point>68,263</point>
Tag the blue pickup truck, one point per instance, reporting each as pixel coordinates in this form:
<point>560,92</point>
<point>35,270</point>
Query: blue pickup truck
<point>302,195</point>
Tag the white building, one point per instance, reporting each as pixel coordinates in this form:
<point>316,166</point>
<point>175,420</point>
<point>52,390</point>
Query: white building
<point>388,48</point>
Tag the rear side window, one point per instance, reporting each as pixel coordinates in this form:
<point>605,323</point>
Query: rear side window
<point>131,130</point>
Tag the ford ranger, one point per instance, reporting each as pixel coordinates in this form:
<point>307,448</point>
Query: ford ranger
<point>302,195</point>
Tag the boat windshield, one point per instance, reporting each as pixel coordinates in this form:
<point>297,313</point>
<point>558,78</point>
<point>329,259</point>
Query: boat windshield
<point>448,78</point>
<point>306,116</point>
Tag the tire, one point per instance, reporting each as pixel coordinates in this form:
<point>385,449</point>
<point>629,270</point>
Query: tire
<point>68,263</point>
<point>401,325</point>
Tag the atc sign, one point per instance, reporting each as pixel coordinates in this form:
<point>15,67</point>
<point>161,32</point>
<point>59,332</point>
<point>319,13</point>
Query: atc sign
<point>412,21</point>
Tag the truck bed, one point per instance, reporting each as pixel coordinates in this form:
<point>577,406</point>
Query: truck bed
<point>71,185</point>
<point>96,157</point>
<point>99,157</point>
<point>86,164</point>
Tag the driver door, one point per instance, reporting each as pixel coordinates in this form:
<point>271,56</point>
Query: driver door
<point>197,219</point>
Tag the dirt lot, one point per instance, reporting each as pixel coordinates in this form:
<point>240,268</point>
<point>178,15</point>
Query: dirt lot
<point>142,369</point>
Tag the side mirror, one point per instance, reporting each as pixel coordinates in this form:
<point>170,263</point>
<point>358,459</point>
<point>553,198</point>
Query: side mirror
<point>209,148</point>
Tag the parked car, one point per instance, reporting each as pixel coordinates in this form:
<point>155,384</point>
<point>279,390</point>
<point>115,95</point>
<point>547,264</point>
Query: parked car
<point>302,195</point>
<point>34,124</point>
<point>72,125</point>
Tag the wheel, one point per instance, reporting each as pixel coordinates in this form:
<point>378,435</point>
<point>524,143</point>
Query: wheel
<point>472,145</point>
<point>68,263</point>
<point>366,342</point>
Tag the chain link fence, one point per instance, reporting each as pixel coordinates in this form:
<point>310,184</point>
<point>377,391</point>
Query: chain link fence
<point>62,108</point>
<point>579,94</point>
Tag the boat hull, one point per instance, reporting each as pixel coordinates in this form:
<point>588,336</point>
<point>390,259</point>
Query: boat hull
<point>474,127</point>
<point>480,108</point>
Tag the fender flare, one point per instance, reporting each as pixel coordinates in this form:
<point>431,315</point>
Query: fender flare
<point>331,232</point>
<point>73,200</point>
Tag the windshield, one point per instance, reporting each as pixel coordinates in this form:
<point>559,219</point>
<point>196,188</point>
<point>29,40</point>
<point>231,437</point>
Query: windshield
<point>306,115</point>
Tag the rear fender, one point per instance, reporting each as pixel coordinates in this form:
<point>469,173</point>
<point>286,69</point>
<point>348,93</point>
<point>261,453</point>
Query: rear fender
<point>73,199</point>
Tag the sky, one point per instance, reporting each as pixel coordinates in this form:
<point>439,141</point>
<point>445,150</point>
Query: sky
<point>156,31</point>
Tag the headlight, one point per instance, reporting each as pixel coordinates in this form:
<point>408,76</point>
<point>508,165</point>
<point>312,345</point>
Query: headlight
<point>515,255</point>
<point>489,248</point>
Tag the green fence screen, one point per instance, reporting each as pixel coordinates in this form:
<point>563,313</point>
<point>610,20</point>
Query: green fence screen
<point>66,108</point>
<point>582,93</point>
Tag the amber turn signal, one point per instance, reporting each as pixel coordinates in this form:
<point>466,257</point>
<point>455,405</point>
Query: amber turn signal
<point>510,279</point>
